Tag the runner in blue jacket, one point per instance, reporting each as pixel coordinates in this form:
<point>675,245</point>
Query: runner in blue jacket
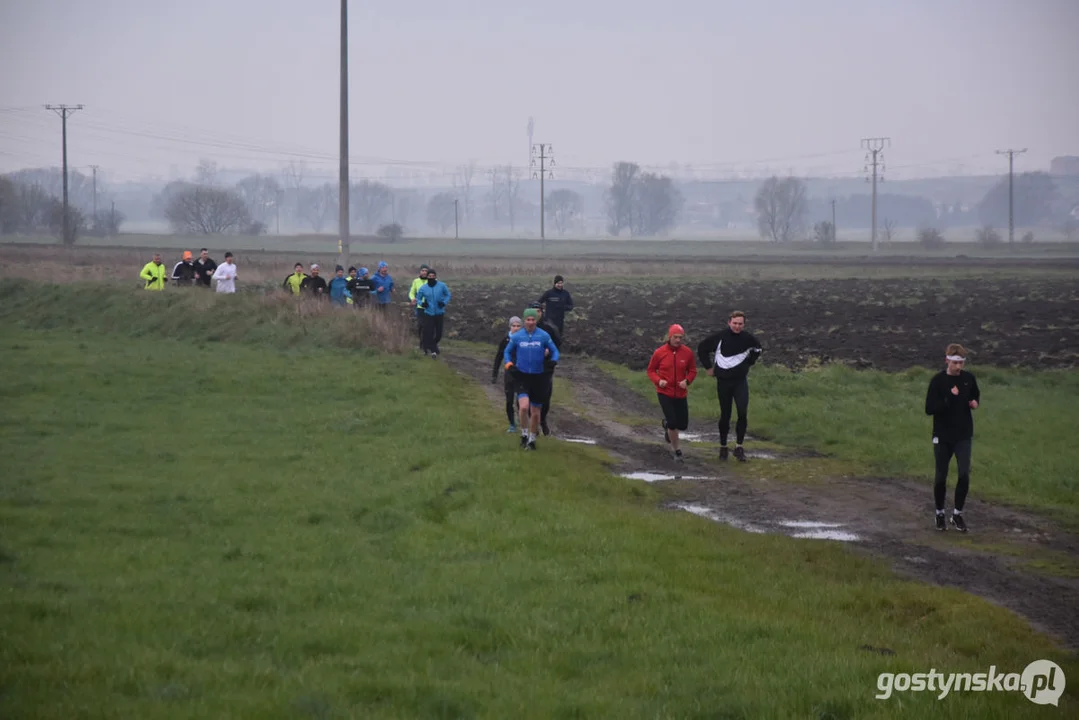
<point>528,354</point>
<point>432,299</point>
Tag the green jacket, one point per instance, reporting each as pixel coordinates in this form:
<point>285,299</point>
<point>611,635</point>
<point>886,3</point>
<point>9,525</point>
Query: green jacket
<point>293,282</point>
<point>154,275</point>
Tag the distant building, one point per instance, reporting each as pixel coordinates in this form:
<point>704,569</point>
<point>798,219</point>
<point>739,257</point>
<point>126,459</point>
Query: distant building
<point>1067,165</point>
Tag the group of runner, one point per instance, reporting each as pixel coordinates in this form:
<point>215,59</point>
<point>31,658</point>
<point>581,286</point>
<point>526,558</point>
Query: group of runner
<point>189,271</point>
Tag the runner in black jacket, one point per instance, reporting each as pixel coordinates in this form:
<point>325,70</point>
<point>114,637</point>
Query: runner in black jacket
<point>508,383</point>
<point>728,355</point>
<point>952,396</point>
<point>556,338</point>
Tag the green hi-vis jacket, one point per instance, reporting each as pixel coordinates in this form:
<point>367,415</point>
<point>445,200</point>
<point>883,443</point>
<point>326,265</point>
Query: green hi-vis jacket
<point>293,282</point>
<point>154,275</point>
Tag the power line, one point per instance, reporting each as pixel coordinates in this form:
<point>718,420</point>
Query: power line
<point>875,146</point>
<point>65,111</point>
<point>1011,194</point>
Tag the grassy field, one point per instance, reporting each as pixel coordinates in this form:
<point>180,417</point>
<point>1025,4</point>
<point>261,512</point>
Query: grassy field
<point>273,528</point>
<point>1023,451</point>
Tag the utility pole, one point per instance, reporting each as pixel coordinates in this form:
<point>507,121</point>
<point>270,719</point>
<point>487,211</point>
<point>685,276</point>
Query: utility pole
<point>112,219</point>
<point>834,233</point>
<point>874,146</point>
<point>456,230</point>
<point>342,191</point>
<point>65,111</point>
<point>1011,190</point>
<point>94,168</point>
<point>545,154</point>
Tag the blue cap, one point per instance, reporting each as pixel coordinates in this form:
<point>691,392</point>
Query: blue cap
<point>382,264</point>
<point>363,271</point>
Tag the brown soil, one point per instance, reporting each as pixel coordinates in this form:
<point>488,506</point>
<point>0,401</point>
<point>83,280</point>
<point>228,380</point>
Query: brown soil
<point>890,517</point>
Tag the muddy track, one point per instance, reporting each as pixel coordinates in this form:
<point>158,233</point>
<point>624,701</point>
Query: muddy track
<point>884,517</point>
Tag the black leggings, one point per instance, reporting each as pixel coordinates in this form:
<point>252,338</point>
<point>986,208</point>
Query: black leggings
<point>942,453</point>
<point>431,332</point>
<point>739,393</point>
<point>675,411</point>
<point>511,400</point>
<point>550,390</point>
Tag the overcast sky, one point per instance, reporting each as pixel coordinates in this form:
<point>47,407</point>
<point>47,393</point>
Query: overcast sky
<point>719,85</point>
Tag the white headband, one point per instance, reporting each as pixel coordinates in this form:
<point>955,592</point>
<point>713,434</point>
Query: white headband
<point>955,358</point>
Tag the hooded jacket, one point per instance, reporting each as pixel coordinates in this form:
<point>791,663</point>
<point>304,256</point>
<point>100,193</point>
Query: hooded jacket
<point>387,285</point>
<point>433,300</point>
<point>337,287</point>
<point>294,282</point>
<point>558,303</point>
<point>674,366</point>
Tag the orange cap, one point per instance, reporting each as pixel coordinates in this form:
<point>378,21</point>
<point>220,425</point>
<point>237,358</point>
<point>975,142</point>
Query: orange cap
<point>187,255</point>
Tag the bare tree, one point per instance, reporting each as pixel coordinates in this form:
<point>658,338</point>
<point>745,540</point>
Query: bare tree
<point>34,207</point>
<point>824,233</point>
<point>497,191</point>
<point>370,200</point>
<point>293,174</point>
<point>75,225</point>
<point>261,194</point>
<point>463,180</point>
<point>511,187</point>
<point>781,208</point>
<point>406,204</point>
<point>316,205</point>
<point>988,236</point>
<point>440,209</point>
<point>562,207</point>
<point>889,230</point>
<point>620,197</point>
<point>206,173</point>
<point>656,204</point>
<point>207,210</point>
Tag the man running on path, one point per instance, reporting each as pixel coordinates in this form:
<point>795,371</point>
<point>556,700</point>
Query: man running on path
<point>361,287</point>
<point>556,337</point>
<point>313,284</point>
<point>384,285</point>
<point>294,281</point>
<point>526,355</point>
<point>557,302</point>
<point>952,396</point>
<point>183,272</point>
<point>507,382</point>
<point>432,299</point>
<point>728,355</point>
<point>417,314</point>
<point>672,369</point>
<point>153,274</point>
<point>225,275</point>
<point>337,286</point>
<point>204,268</point>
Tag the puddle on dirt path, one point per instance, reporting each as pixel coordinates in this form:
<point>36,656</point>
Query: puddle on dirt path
<point>579,440</point>
<point>806,529</point>
<point>649,476</point>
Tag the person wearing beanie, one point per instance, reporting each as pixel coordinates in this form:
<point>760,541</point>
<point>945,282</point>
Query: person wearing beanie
<point>384,285</point>
<point>183,272</point>
<point>556,303</point>
<point>337,286</point>
<point>294,282</point>
<point>507,382</point>
<point>362,287</point>
<point>314,284</point>
<point>417,314</point>
<point>672,370</point>
<point>728,355</point>
<point>431,299</point>
<point>527,354</point>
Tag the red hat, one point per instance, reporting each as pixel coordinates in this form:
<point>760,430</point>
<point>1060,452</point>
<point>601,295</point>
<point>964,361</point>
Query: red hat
<point>675,329</point>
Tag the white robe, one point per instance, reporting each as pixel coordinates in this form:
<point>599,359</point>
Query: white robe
<point>225,275</point>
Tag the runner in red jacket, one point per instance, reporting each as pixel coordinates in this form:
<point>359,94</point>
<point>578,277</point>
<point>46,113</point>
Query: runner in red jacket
<point>672,369</point>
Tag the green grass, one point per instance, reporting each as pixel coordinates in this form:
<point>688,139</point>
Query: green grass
<point>235,530</point>
<point>1023,447</point>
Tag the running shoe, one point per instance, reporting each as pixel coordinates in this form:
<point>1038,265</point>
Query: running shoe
<point>531,445</point>
<point>723,452</point>
<point>740,454</point>
<point>511,429</point>
<point>959,523</point>
<point>942,524</point>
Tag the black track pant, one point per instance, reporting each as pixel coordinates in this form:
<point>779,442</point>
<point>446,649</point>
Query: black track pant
<point>738,393</point>
<point>943,453</point>
<point>550,389</point>
<point>432,332</point>
<point>511,400</point>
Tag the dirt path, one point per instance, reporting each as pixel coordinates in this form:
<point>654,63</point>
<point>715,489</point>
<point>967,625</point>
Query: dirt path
<point>881,516</point>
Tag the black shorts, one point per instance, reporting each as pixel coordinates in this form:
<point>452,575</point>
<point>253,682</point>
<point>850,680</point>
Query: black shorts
<point>534,387</point>
<point>675,411</point>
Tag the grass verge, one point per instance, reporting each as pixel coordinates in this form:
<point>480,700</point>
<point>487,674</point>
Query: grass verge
<point>237,531</point>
